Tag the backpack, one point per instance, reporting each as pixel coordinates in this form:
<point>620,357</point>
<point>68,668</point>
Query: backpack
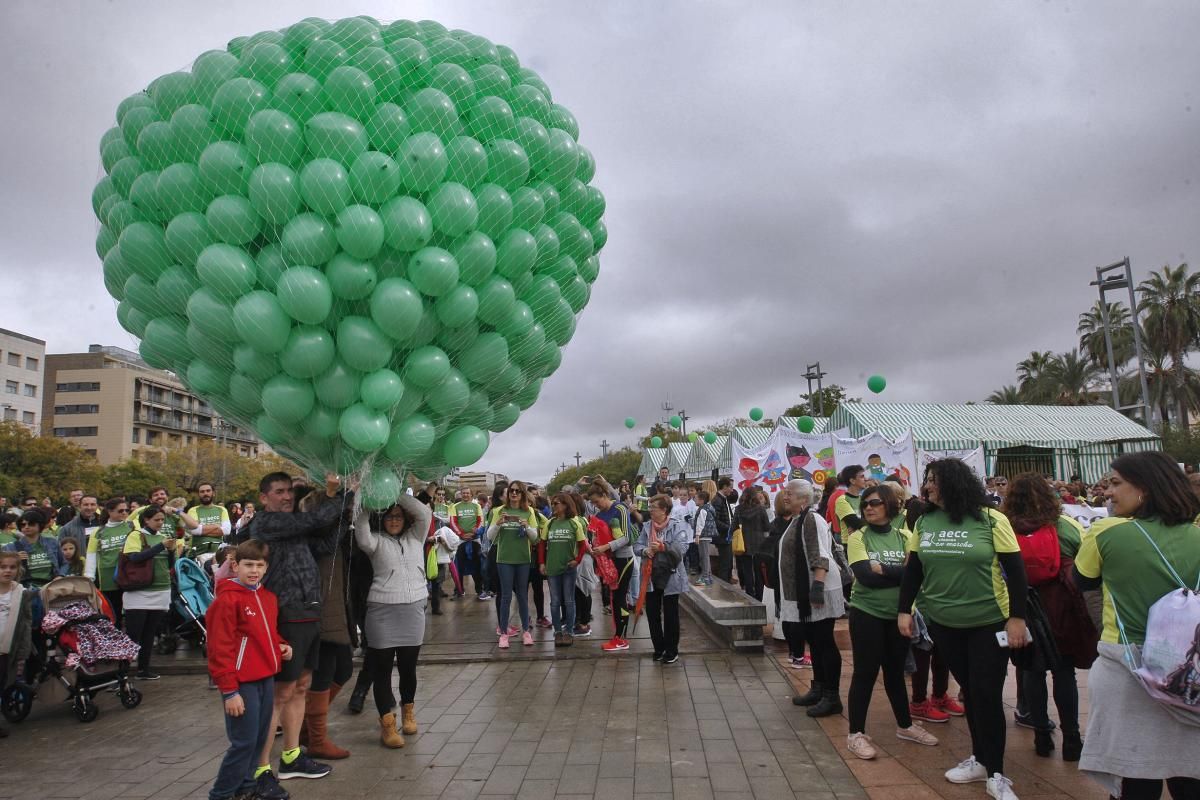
<point>1168,664</point>
<point>1042,554</point>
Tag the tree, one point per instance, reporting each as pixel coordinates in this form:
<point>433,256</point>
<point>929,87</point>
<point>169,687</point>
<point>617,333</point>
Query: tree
<point>1031,374</point>
<point>1070,379</point>
<point>1091,334</point>
<point>726,426</point>
<point>1006,396</point>
<point>664,432</point>
<point>132,478</point>
<point>43,466</point>
<point>620,465</point>
<point>831,397</point>
<point>1170,301</point>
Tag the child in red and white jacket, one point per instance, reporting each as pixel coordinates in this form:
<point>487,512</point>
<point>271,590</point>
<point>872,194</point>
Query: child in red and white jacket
<point>245,651</point>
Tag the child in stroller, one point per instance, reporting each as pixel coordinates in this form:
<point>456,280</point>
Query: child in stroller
<point>191,597</point>
<point>84,653</point>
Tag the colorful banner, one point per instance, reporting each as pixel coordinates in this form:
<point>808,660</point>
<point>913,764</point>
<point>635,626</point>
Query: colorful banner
<point>785,456</point>
<point>879,456</point>
<point>972,458</point>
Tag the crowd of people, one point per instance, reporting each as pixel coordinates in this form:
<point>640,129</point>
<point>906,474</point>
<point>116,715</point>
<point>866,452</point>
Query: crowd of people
<point>960,579</point>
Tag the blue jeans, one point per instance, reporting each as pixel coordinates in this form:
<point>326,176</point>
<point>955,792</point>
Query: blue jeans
<point>514,579</point>
<point>562,600</point>
<point>247,735</point>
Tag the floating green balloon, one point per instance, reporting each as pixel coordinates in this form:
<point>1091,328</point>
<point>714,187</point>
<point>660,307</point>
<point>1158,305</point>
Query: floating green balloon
<point>756,413</point>
<point>676,421</point>
<point>630,423</point>
<point>710,437</point>
<point>692,437</point>
<point>806,424</point>
<point>876,383</point>
<point>656,441</point>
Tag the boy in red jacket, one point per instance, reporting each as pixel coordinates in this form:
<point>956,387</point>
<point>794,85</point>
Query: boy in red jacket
<point>244,653</point>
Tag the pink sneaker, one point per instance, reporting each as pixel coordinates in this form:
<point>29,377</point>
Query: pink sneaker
<point>503,642</point>
<point>513,630</point>
<point>527,639</point>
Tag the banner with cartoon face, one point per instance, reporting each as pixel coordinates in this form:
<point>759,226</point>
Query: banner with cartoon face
<point>879,456</point>
<point>787,455</point>
<point>972,458</point>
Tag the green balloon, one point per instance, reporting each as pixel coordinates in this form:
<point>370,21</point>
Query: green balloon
<point>455,81</point>
<point>478,411</point>
<point>210,70</point>
<point>528,208</point>
<point>336,136</point>
<point>589,269</point>
<point>406,223</point>
<point>124,172</point>
<point>806,424</point>
<point>364,428</point>
<point>692,437</point>
<point>181,189</point>
<point>308,239</point>
<point>656,441</point>
<point>491,118</point>
<point>676,421</point>
<point>756,413</point>
<point>132,320</point>
<point>380,67</point>
<point>308,353</point>
<point>174,287</point>
<point>305,294</point>
<point>542,294</point>
<point>143,194</point>
<point>876,383</point>
<point>274,193</point>
<point>456,340</point>
<point>508,165</point>
<point>450,397</point>
<point>254,363</point>
<point>374,178</point>
<point>354,33</point>
<point>426,367</point>
<point>422,162</point>
<point>710,437</point>
<point>433,111</point>
<point>396,308</point>
<point>210,314</point>
<point>113,152</point>
<point>301,97</point>
<point>508,382</point>
<point>387,128</point>
<point>359,231</point>
<point>485,358</point>
<point>136,121</point>
<point>362,345</point>
<point>476,257</point>
<point>528,395</point>
<point>349,278</point>
<point>339,386</point>
<point>457,307</point>
<point>266,63</point>
<point>467,161</point>
<point>270,266</point>
<point>323,56</point>
<point>516,254</point>
<point>464,446</point>
<point>229,271</point>
<point>518,322</point>
<point>433,271</point>
<point>325,186</point>
<point>144,249</point>
<point>156,145</point>
<point>168,337</point>
<point>322,423</point>
<point>235,102</point>
<point>495,210</point>
<point>410,438</point>
<point>206,379</point>
<point>496,300</point>
<point>233,220</point>
<point>287,400</point>
<point>186,237</point>
<point>599,233</point>
<point>548,244</point>
<point>587,165</point>
<point>351,91</point>
<point>192,130</point>
<point>577,293</point>
<point>381,489</point>
<point>297,37</point>
<point>382,389</point>
<point>453,209</point>
<point>116,273</point>
<point>505,416</point>
<point>273,136</point>
<point>225,168</point>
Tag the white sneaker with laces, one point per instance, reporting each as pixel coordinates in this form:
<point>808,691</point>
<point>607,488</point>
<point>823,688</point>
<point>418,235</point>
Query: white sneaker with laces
<point>1000,788</point>
<point>968,771</point>
<point>860,745</point>
<point>915,733</point>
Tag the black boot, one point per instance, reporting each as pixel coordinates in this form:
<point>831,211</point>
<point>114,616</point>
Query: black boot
<point>1043,743</point>
<point>829,705</point>
<point>809,699</point>
<point>1072,746</point>
<point>359,696</point>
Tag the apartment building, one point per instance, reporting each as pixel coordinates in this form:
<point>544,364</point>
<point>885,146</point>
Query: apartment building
<point>115,406</point>
<point>22,365</point>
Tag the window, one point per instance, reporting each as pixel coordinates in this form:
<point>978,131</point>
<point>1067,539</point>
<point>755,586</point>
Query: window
<point>31,363</point>
<point>90,431</point>
<point>91,386</point>
<point>82,408</point>
<point>12,387</point>
<point>91,453</point>
<point>14,359</point>
<point>30,390</point>
<point>10,415</point>
<point>27,417</point>
<point>137,434</point>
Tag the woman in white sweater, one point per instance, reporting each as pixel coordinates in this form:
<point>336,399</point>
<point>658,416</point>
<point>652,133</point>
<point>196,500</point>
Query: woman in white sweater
<point>395,621</point>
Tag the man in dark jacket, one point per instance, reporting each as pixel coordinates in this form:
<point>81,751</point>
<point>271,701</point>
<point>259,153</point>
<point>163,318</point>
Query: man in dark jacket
<point>662,484</point>
<point>724,518</point>
<point>294,540</point>
<point>83,524</point>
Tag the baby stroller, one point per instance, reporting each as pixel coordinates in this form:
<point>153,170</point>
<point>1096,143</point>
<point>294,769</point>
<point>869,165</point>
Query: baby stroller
<point>190,601</point>
<point>73,607</point>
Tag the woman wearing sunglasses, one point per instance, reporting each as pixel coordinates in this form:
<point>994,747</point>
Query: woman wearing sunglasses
<point>876,554</point>
<point>512,530</point>
<point>104,550</point>
<point>41,558</point>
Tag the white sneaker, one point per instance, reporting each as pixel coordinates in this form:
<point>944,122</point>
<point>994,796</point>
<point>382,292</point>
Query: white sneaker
<point>915,733</point>
<point>860,745</point>
<point>1000,788</point>
<point>967,771</point>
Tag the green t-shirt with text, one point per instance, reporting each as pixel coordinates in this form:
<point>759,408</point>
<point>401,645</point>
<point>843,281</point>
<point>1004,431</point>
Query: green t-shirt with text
<point>511,545</point>
<point>107,544</point>
<point>467,515</point>
<point>963,586</point>
<point>39,565</point>
<point>889,549</point>
<point>207,515</point>
<point>162,561</point>
<point>562,538</point>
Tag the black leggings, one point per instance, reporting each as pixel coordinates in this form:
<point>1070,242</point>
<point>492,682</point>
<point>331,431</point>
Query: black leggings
<point>583,607</point>
<point>826,658</point>
<point>877,643</point>
<point>920,678</point>
<point>335,665</point>
<point>1151,789</point>
<point>405,659</point>
<point>618,596</point>
<point>662,613</point>
<point>141,625</point>
<point>1066,698</point>
<point>538,581</point>
<point>980,665</point>
<point>114,596</point>
<point>793,632</point>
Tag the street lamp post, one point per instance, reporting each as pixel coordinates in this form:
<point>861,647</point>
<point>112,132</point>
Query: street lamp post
<point>1115,277</point>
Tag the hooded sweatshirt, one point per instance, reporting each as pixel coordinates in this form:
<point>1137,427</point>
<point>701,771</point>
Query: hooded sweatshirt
<point>243,640</point>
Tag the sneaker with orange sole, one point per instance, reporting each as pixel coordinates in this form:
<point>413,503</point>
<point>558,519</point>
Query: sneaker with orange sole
<point>927,712</point>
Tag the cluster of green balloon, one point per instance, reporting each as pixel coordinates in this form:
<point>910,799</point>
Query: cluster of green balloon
<point>806,424</point>
<point>876,383</point>
<point>756,414</point>
<point>363,241</point>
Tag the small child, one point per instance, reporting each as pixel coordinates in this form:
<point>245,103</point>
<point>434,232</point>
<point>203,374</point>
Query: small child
<point>71,554</point>
<point>705,526</point>
<point>244,654</point>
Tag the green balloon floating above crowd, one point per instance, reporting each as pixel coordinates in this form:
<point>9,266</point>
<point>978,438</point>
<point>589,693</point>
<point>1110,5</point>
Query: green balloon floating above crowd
<point>367,242</point>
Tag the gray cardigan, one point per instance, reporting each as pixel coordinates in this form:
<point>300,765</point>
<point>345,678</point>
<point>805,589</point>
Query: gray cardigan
<point>676,536</point>
<point>398,561</point>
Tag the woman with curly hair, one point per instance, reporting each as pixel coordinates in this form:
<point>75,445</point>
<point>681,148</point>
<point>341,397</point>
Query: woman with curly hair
<point>1049,542</point>
<point>965,562</point>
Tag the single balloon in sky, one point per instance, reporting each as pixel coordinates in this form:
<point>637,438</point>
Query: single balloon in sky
<point>676,421</point>
<point>806,424</point>
<point>756,413</point>
<point>630,423</point>
<point>876,383</point>
<point>656,441</point>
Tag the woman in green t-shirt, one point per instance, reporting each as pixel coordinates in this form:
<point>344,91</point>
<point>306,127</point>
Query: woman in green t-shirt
<point>563,542</point>
<point>1135,555</point>
<point>876,552</point>
<point>145,608</point>
<point>512,529</point>
<point>965,562</point>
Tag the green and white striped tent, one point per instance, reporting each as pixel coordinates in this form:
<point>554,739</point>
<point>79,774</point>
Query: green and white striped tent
<point>653,459</point>
<point>822,423</point>
<point>1064,440</point>
<point>706,457</point>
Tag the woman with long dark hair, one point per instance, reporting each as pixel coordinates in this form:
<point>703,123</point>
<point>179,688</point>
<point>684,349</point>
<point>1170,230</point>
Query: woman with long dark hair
<point>1145,550</point>
<point>965,562</point>
<point>751,517</point>
<point>512,530</point>
<point>146,608</point>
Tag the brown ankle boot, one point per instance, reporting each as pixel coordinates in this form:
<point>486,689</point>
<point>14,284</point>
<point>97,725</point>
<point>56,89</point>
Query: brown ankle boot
<point>316,717</point>
<point>408,719</point>
<point>388,735</point>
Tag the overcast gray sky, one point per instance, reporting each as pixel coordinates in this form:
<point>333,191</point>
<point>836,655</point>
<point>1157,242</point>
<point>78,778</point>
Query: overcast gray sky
<point>918,189</point>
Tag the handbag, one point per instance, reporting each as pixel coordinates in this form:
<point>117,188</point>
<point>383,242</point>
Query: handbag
<point>739,542</point>
<point>133,575</point>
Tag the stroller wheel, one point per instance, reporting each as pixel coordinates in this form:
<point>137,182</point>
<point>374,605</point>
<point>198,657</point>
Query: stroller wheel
<point>16,702</point>
<point>85,709</point>
<point>131,698</point>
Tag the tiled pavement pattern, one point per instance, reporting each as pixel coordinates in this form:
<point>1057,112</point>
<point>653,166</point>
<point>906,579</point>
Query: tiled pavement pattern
<point>718,726</point>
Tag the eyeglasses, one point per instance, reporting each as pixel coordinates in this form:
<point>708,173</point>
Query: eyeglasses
<point>874,502</point>
<point>514,491</point>
<point>394,518</point>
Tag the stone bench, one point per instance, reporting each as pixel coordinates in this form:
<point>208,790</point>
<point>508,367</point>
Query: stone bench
<point>728,614</point>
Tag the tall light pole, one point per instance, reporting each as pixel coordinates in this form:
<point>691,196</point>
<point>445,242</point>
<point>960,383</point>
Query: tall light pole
<point>813,373</point>
<point>1115,277</point>
<point>604,445</point>
<point>578,458</point>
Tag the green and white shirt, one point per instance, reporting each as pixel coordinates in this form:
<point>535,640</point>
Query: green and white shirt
<point>211,514</point>
<point>510,545</point>
<point>890,550</point>
<point>562,538</point>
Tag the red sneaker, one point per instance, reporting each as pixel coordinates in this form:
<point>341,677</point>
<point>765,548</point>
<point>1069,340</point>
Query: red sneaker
<point>948,705</point>
<point>614,644</point>
<point>927,712</point>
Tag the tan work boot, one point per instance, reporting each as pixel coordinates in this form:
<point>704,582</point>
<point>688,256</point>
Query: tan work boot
<point>408,720</point>
<point>388,735</point>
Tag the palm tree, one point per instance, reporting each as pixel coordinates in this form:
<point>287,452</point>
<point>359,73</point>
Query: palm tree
<point>1031,374</point>
<point>1170,301</point>
<point>1070,379</point>
<point>1160,382</point>
<point>1006,396</point>
<point>1091,334</point>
